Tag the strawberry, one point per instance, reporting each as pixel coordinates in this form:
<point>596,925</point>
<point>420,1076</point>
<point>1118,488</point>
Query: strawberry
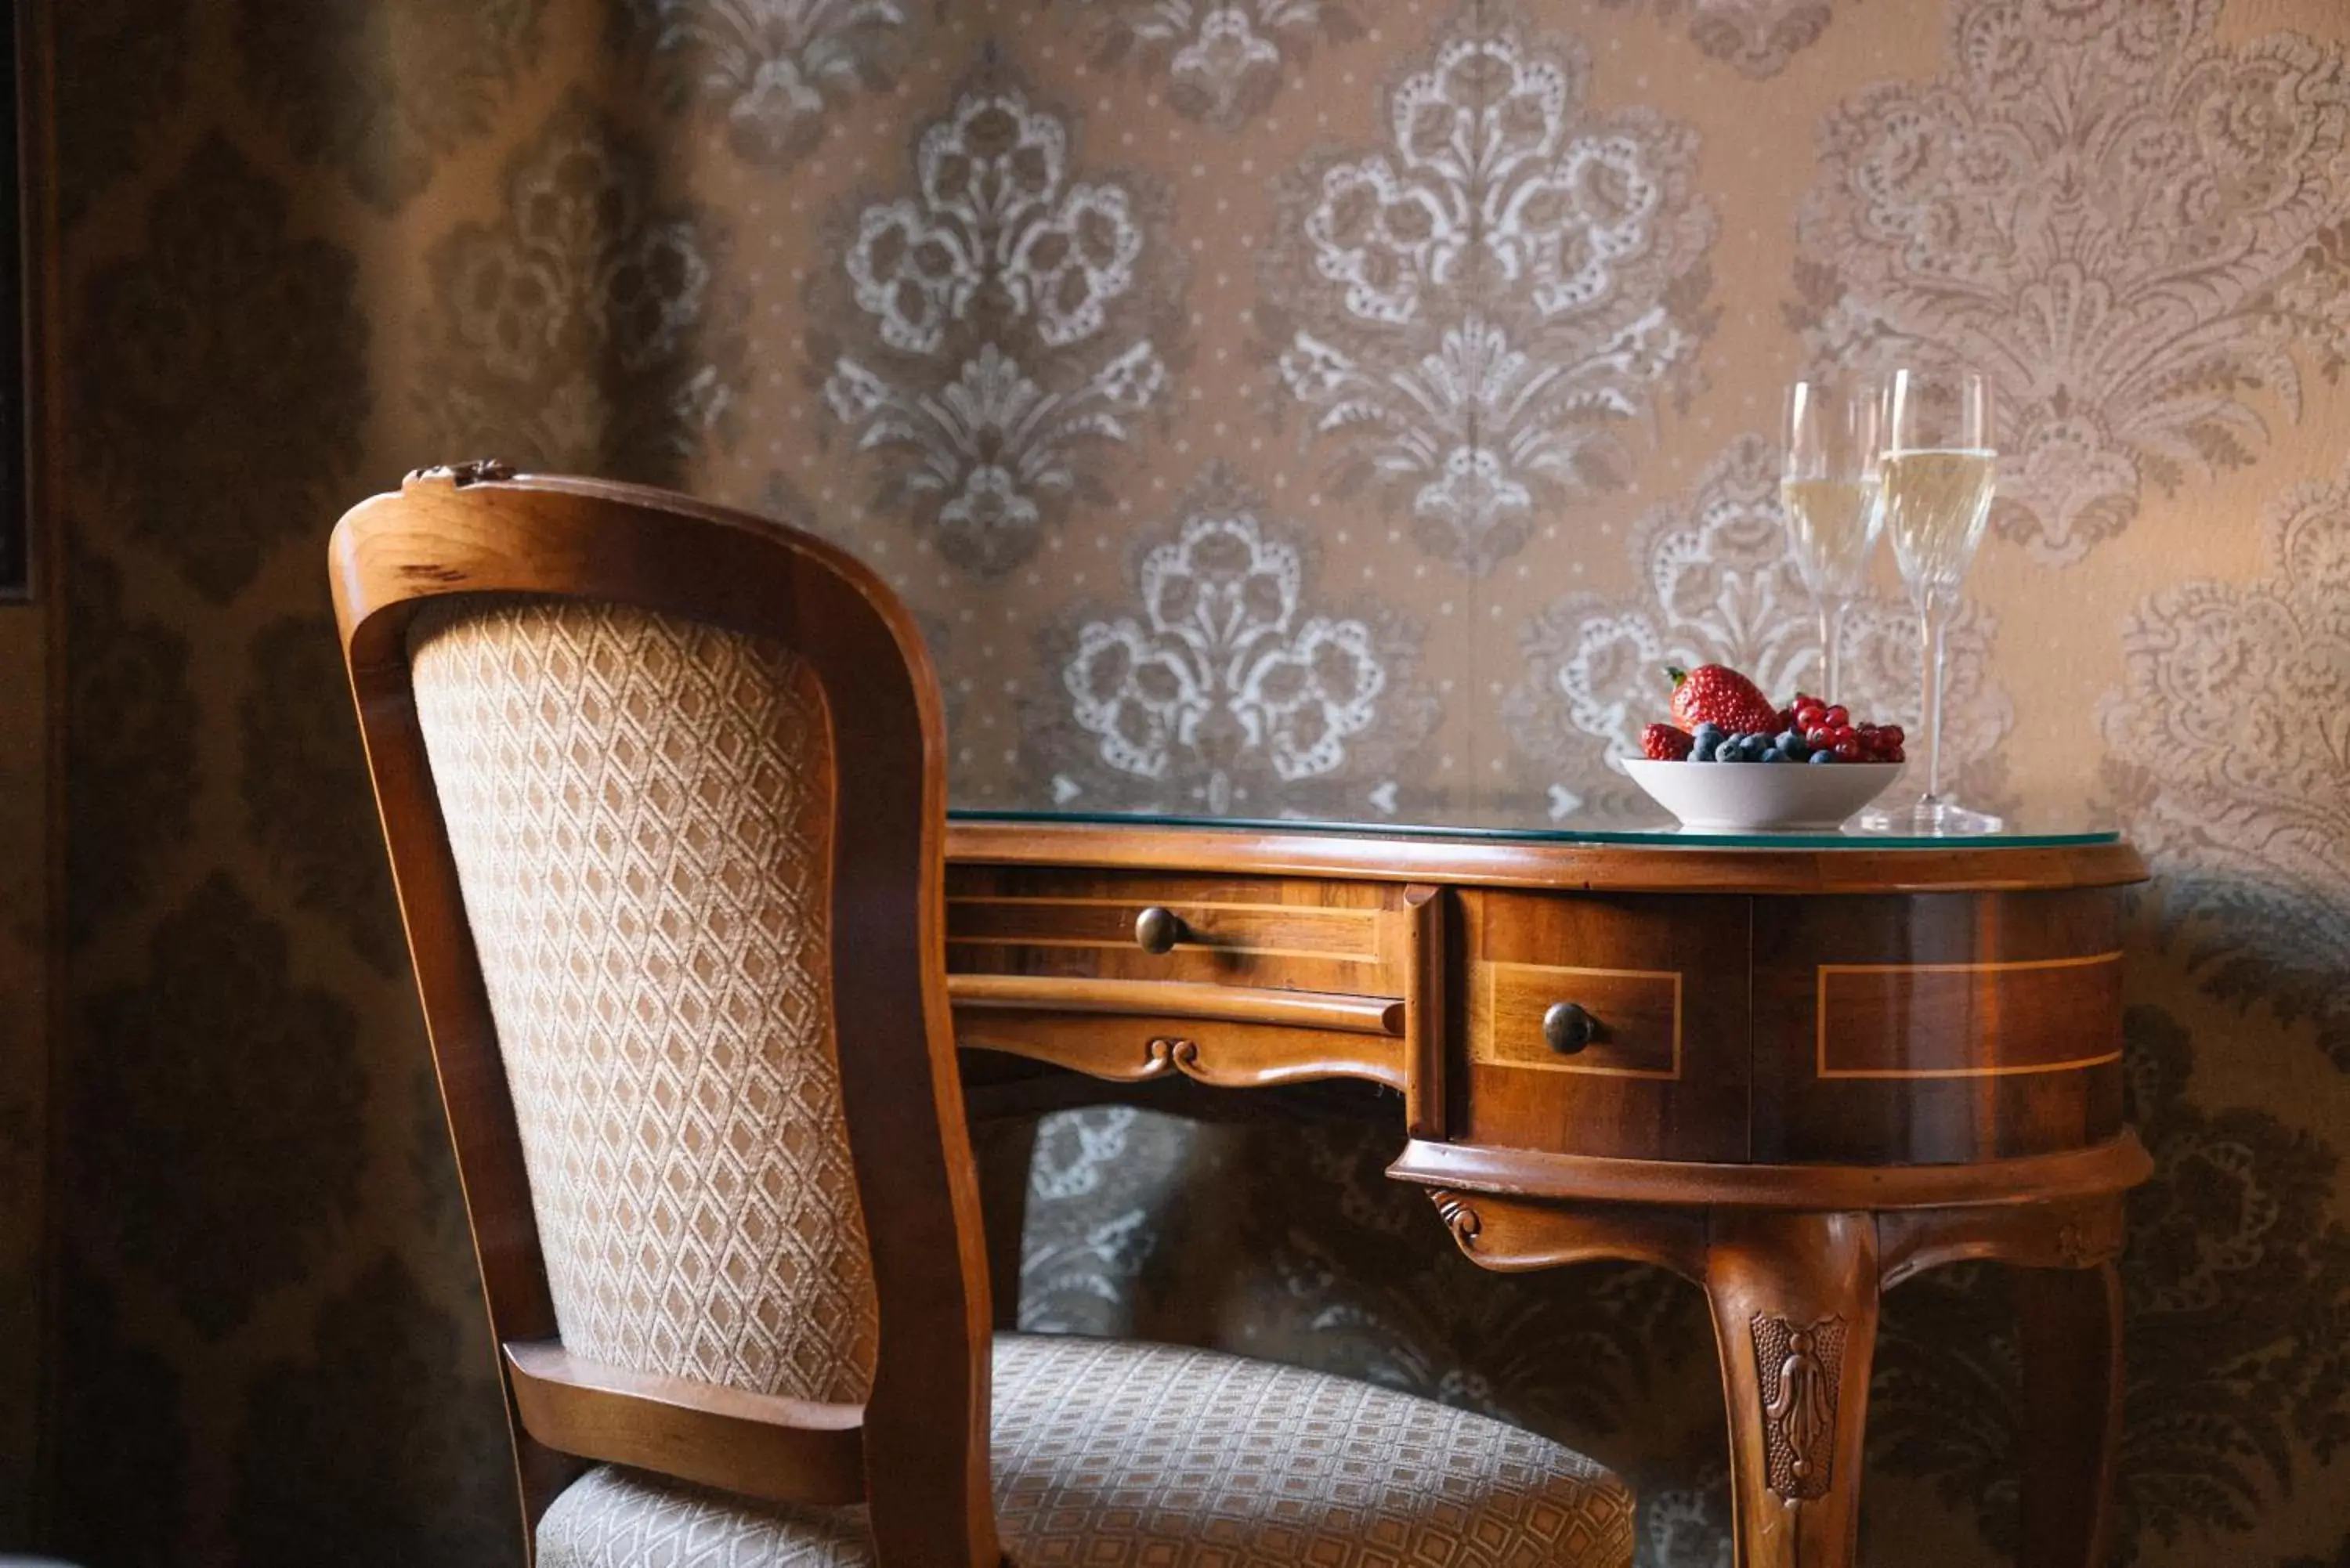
<point>1663,743</point>
<point>1717,694</point>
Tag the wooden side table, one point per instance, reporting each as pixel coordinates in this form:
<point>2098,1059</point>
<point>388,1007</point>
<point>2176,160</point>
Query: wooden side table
<point>1793,1075</point>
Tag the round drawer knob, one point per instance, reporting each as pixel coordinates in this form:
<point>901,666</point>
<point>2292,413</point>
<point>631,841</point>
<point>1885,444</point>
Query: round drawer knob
<point>1157,929</point>
<point>1568,1028</point>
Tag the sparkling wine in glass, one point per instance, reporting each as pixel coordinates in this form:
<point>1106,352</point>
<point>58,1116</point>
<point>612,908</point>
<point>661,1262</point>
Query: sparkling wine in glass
<point>1828,491</point>
<point>1938,479</point>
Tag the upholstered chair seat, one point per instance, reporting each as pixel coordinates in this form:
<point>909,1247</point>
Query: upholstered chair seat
<point>1115,1455</point>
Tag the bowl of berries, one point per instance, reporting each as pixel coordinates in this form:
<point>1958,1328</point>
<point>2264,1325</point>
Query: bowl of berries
<point>1732,759</point>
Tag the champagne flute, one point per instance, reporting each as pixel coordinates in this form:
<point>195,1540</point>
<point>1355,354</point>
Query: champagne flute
<point>1828,491</point>
<point>1937,483</point>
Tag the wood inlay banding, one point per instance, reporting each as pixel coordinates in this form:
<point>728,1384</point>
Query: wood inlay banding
<point>1223,927</point>
<point>1180,999</point>
<point>1638,1014</point>
<point>1980,1020</point>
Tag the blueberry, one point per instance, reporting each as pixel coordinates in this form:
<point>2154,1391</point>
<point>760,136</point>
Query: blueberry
<point>1790,746</point>
<point>1706,730</point>
<point>1822,756</point>
<point>1772,756</point>
<point>1701,749</point>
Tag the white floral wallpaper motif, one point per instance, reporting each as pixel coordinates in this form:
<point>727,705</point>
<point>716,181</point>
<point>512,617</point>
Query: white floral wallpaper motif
<point>2138,230</point>
<point>589,324</point>
<point>1000,321</point>
<point>1229,688</point>
<point>1756,37</point>
<point>773,69</point>
<point>2229,750</point>
<point>1222,61</point>
<point>1468,316</point>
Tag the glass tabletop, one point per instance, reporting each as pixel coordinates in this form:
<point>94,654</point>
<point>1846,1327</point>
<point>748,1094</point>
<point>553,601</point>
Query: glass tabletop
<point>2033,825</point>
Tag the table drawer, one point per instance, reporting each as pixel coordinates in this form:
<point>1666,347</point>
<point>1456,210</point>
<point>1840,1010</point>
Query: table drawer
<point>1603,1024</point>
<point>1618,1023</point>
<point>1287,933</point>
<point>1244,981</point>
<point>1936,1028</point>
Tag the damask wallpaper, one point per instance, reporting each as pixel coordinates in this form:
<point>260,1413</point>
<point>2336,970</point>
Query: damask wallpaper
<point>1268,405</point>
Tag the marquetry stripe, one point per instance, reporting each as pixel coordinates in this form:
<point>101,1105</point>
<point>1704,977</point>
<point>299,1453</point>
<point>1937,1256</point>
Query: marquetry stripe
<point>1363,923</point>
<point>1337,955</point>
<point>1487,1041</point>
<point>1828,972</point>
<point>1309,910</point>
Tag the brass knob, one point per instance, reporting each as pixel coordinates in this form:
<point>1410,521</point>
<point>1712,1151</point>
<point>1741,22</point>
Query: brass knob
<point>1157,929</point>
<point>1568,1028</point>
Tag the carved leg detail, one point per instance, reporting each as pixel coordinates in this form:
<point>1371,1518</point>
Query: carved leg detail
<point>2070,1328</point>
<point>1794,1317</point>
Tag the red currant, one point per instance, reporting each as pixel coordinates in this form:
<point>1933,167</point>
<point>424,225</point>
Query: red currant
<point>1848,749</point>
<point>1893,754</point>
<point>1817,738</point>
<point>1893,736</point>
<point>1838,717</point>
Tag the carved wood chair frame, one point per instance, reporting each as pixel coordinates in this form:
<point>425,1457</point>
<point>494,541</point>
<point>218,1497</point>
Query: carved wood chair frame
<point>916,1451</point>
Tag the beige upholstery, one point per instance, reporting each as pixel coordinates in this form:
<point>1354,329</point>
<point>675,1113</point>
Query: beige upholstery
<point>1110,1455</point>
<point>612,1518</point>
<point>640,808</point>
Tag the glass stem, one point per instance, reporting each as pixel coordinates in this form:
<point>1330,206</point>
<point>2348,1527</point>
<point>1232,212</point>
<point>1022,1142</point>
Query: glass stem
<point>1933,616</point>
<point>1831,647</point>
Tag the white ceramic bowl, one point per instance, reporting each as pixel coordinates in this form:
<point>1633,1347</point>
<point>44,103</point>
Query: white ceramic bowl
<point>1753,798</point>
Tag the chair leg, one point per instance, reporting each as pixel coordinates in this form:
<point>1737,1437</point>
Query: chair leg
<point>2069,1324</point>
<point>1006,1151</point>
<point>1794,1300</point>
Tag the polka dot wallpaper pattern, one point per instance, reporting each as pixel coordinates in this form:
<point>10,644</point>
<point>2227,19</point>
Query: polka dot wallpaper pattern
<point>1336,406</point>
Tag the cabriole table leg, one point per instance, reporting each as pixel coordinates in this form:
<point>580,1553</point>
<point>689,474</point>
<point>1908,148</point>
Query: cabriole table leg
<point>1794,1296</point>
<point>2069,1324</point>
<point>1794,1301</point>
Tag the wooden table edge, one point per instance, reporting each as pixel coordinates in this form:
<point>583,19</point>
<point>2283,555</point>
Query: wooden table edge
<point>1405,856</point>
<point>2115,1165</point>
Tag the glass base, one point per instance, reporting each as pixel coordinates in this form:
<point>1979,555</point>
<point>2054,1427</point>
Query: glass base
<point>1928,816</point>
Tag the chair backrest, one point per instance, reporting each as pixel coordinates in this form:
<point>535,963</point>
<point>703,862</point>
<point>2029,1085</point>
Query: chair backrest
<point>663,788</point>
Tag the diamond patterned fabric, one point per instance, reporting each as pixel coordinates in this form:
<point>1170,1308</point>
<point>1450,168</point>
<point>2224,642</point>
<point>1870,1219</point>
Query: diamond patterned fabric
<point>1114,1455</point>
<point>640,810</point>
<point>615,1518</point>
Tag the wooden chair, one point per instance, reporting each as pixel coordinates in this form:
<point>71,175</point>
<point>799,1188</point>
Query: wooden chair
<point>663,788</point>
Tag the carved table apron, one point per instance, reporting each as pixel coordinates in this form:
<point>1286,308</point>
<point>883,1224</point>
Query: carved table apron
<point>1794,1077</point>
